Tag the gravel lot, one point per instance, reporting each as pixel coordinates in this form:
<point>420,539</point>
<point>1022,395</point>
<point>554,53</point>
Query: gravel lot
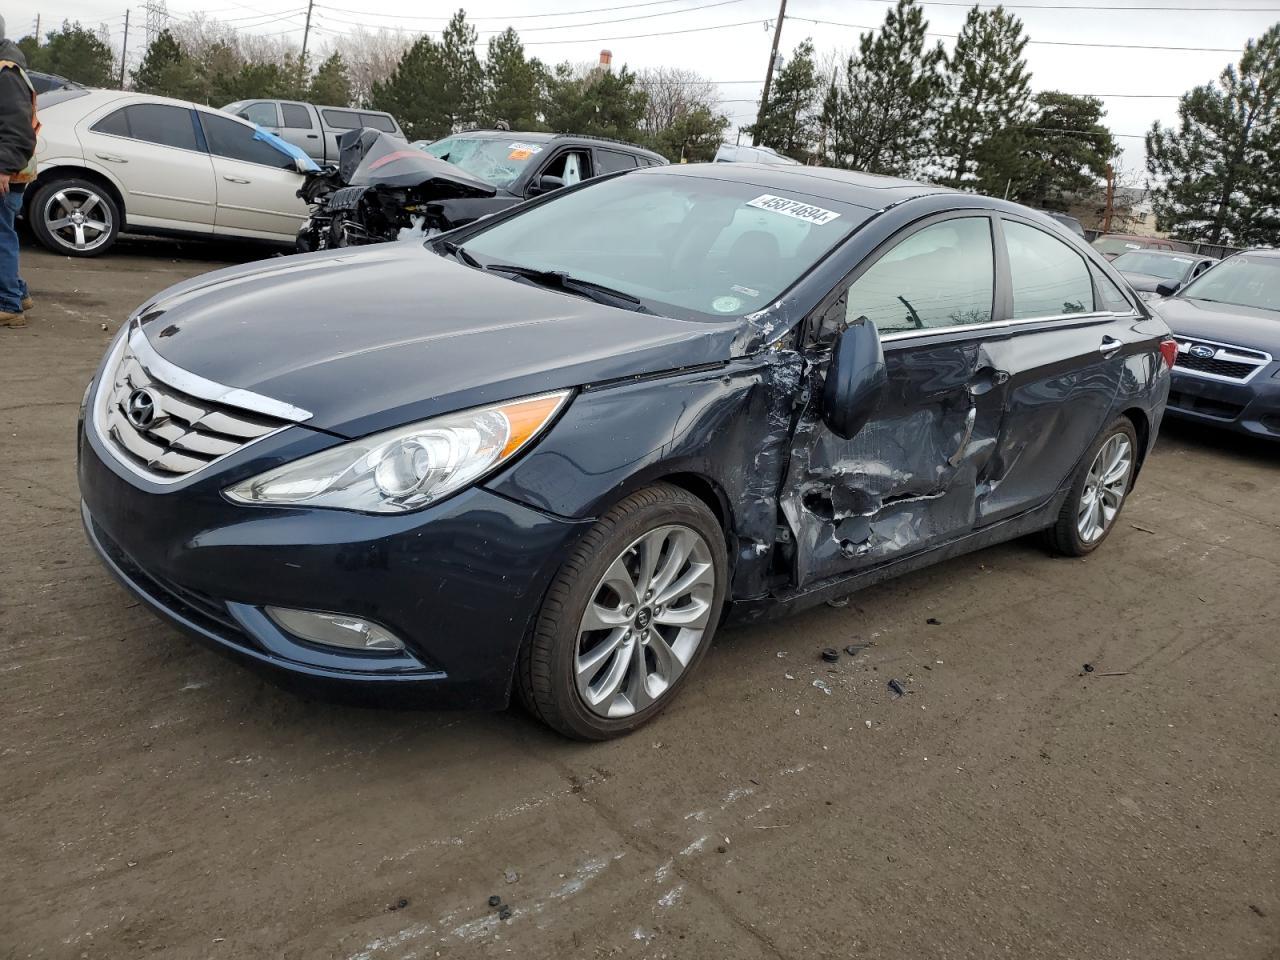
<point>159,800</point>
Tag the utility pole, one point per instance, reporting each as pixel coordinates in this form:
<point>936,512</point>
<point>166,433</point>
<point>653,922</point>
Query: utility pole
<point>124,47</point>
<point>306,32</point>
<point>768,74</point>
<point>37,29</point>
<point>1111,199</point>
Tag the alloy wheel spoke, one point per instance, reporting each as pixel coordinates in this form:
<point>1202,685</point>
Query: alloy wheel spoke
<point>694,614</point>
<point>681,545</point>
<point>696,574</point>
<point>88,204</point>
<point>80,240</point>
<point>59,223</point>
<point>618,579</point>
<point>606,688</point>
<point>638,680</point>
<point>96,225</point>
<point>647,552</point>
<point>669,663</point>
<point>601,617</point>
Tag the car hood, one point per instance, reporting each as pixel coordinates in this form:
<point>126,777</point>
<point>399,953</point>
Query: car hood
<point>1145,282</point>
<point>389,334</point>
<point>1221,322</point>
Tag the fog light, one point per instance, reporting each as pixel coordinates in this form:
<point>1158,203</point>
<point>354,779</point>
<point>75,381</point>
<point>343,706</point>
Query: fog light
<point>335,629</point>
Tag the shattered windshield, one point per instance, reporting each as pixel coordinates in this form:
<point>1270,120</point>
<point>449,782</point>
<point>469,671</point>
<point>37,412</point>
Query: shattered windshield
<point>683,246</point>
<point>500,162</point>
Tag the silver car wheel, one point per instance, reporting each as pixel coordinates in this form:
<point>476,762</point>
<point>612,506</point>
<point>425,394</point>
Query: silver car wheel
<point>645,621</point>
<point>78,219</point>
<point>1105,487</point>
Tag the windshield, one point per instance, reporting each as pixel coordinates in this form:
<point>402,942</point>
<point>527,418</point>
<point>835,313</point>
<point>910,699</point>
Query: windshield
<point>1153,264</point>
<point>685,246</point>
<point>499,162</point>
<point>1115,245</point>
<point>1241,280</point>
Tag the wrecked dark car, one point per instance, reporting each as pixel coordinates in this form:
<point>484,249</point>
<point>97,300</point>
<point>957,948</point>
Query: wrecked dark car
<point>551,452</point>
<point>380,189</point>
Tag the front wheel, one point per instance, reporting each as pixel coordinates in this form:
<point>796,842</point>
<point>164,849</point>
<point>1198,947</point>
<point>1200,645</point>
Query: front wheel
<point>628,617</point>
<point>74,217</point>
<point>1098,492</point>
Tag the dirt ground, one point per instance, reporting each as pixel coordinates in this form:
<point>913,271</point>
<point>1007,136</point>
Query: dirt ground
<point>157,800</point>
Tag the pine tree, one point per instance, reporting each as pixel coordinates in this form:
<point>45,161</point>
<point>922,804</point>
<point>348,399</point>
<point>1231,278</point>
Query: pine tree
<point>598,103</point>
<point>887,103</point>
<point>77,54</point>
<point>331,86</point>
<point>513,86</point>
<point>1219,169</point>
<point>988,88</point>
<point>412,93</point>
<point>788,122</point>
<point>1051,159</point>
<point>167,71</point>
<point>462,94</point>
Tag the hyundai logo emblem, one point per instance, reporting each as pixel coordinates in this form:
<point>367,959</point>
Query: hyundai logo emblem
<point>141,409</point>
<point>1203,352</point>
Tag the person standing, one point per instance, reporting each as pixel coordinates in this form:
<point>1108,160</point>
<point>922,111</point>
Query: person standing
<point>18,127</point>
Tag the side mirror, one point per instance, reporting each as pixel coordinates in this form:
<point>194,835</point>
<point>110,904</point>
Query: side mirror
<point>545,184</point>
<point>856,379</point>
<point>1168,288</point>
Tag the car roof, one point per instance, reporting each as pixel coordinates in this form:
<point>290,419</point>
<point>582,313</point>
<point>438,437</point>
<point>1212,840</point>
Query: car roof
<point>1271,253</point>
<point>1171,254</point>
<point>847,186</point>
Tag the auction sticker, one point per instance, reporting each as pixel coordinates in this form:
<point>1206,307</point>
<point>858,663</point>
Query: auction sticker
<point>793,208</point>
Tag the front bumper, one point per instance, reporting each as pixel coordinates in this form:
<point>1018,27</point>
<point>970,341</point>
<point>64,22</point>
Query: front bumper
<point>460,582</point>
<point>1251,408</point>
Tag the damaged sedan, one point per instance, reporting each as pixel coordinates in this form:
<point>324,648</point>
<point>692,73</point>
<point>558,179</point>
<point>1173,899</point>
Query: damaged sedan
<point>548,454</point>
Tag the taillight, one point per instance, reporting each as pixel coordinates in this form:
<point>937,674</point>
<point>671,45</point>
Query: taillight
<point>1169,350</point>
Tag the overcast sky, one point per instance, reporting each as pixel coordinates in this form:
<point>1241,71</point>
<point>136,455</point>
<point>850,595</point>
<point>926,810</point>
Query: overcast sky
<point>727,40</point>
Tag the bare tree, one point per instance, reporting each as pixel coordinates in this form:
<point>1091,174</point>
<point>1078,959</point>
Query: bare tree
<point>371,57</point>
<point>675,93</point>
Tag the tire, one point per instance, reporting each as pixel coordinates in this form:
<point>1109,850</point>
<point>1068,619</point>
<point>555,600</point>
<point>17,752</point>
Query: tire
<point>58,202</point>
<point>644,645</point>
<point>1071,535</point>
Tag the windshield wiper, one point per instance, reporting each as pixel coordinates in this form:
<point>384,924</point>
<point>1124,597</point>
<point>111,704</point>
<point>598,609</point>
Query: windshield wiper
<point>456,250</point>
<point>560,280</point>
<point>915,317</point>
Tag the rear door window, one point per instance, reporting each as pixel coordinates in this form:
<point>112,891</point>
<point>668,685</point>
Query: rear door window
<point>379,121</point>
<point>611,161</point>
<point>159,123</point>
<point>342,119</point>
<point>1049,278</point>
<point>940,276</point>
<point>296,116</point>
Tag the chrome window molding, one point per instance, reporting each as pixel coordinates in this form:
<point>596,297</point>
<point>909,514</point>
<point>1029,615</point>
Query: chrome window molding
<point>1004,324</point>
<point>165,373</point>
<point>1260,359</point>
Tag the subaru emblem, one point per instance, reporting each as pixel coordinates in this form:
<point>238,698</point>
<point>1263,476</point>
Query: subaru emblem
<point>141,409</point>
<point>1203,352</point>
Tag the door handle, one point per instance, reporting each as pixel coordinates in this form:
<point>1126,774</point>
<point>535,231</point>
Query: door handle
<point>313,136</point>
<point>111,158</point>
<point>1109,346</point>
<point>235,180</point>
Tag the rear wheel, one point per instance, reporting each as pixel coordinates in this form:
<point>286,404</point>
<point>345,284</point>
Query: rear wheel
<point>628,617</point>
<point>1098,493</point>
<point>74,217</point>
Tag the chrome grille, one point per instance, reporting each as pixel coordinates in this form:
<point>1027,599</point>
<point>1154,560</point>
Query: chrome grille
<point>1219,361</point>
<point>166,423</point>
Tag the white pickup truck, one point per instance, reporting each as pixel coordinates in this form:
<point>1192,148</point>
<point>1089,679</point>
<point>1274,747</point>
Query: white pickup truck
<point>313,128</point>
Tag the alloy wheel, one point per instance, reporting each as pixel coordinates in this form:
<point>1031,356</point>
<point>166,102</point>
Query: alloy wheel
<point>645,621</point>
<point>1105,487</point>
<point>78,219</point>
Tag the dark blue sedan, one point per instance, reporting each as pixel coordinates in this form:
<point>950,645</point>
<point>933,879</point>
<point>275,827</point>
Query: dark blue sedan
<point>552,451</point>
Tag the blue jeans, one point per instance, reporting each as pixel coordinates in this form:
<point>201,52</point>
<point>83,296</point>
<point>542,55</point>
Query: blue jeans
<point>12,287</point>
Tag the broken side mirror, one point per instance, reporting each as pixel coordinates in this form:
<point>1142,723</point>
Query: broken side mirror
<point>545,184</point>
<point>1168,288</point>
<point>856,379</point>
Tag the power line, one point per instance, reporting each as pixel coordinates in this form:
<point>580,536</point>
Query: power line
<point>1110,6</point>
<point>632,36</point>
<point>560,26</point>
<point>1051,43</point>
<point>513,16</point>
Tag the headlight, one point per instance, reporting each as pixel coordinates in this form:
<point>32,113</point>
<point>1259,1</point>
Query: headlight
<point>409,467</point>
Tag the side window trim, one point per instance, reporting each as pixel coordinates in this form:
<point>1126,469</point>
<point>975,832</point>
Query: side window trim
<point>813,326</point>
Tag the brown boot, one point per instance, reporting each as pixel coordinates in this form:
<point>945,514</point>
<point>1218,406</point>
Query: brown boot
<point>27,303</point>
<point>12,319</point>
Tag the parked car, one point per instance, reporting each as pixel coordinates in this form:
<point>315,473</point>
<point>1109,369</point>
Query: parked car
<point>1111,245</point>
<point>549,451</point>
<point>111,161</point>
<point>1068,221</point>
<point>1160,273</point>
<point>523,165</point>
<point>313,128</point>
<point>45,82</point>
<point>1227,322</point>
<point>731,153</point>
